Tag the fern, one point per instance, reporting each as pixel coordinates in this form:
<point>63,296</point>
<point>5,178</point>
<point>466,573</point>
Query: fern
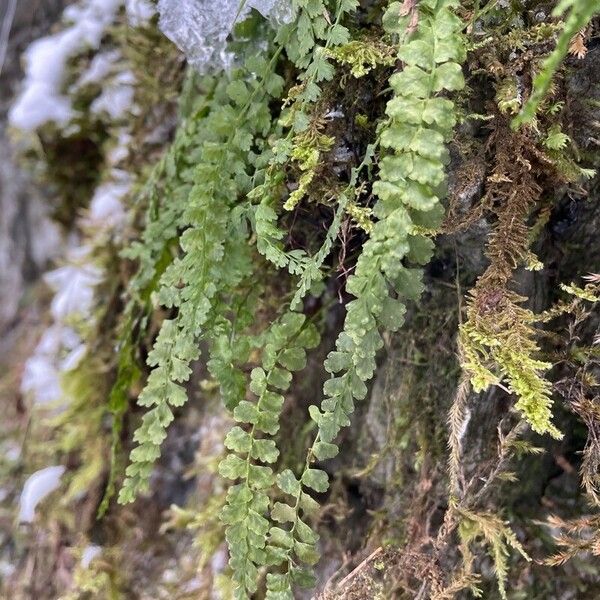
<point>170,179</point>
<point>411,176</point>
<point>211,290</point>
<point>194,283</point>
<point>247,502</point>
<point>311,272</point>
<point>307,42</point>
<point>580,14</point>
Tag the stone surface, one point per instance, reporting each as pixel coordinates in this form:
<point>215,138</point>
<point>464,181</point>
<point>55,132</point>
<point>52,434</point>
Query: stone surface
<point>28,239</point>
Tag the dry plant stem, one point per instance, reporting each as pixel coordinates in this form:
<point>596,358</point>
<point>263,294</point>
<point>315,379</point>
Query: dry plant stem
<point>359,568</point>
<point>465,496</point>
<point>501,464</point>
<point>457,425</point>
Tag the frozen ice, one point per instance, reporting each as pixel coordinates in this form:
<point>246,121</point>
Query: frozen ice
<point>200,28</point>
<point>36,488</point>
<point>278,11</point>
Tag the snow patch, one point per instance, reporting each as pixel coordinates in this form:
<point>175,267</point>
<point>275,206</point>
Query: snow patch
<point>36,488</point>
<point>41,375</point>
<point>100,66</point>
<point>42,100</point>
<point>116,97</point>
<point>89,554</point>
<point>139,12</point>
<point>121,150</point>
<point>41,379</point>
<point>73,358</point>
<point>106,209</point>
<point>74,290</point>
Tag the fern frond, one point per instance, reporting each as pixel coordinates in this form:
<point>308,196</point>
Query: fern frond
<point>420,121</point>
<point>248,502</point>
<point>580,14</point>
<point>195,282</point>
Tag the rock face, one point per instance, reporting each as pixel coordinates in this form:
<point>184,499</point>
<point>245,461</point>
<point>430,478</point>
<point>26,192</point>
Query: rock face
<point>28,239</point>
<point>390,478</point>
<point>398,444</point>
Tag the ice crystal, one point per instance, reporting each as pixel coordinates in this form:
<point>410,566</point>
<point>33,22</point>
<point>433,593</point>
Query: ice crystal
<point>200,28</point>
<point>278,11</point>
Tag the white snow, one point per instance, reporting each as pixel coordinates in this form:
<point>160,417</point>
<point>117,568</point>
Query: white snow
<point>41,375</point>
<point>121,150</point>
<point>100,66</point>
<point>42,99</point>
<point>106,209</point>
<point>139,12</point>
<point>75,356</point>
<point>89,554</point>
<point>36,488</point>
<point>41,379</point>
<point>62,347</point>
<point>116,97</point>
<point>74,286</point>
